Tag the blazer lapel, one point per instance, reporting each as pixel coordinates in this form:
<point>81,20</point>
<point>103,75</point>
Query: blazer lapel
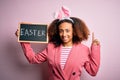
<point>70,60</point>
<point>57,61</point>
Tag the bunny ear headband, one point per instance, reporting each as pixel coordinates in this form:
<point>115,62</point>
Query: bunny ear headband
<point>64,13</point>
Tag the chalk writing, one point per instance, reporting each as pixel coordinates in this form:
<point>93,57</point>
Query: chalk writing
<point>33,33</point>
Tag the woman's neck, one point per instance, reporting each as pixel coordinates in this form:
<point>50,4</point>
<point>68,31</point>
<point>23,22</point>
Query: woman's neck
<point>67,44</point>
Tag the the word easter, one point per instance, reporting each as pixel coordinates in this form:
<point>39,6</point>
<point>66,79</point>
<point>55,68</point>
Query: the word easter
<point>32,32</point>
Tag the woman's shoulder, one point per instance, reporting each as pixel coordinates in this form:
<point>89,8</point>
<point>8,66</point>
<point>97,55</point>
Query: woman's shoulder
<point>82,45</point>
<point>82,48</point>
<point>51,45</point>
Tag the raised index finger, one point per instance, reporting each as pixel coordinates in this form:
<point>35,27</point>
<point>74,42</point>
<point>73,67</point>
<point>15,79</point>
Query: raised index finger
<point>93,36</point>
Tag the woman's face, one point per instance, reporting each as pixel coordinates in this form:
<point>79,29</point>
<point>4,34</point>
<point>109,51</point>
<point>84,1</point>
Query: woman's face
<point>66,33</point>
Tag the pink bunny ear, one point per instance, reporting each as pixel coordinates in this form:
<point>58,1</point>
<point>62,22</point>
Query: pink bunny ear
<point>58,15</point>
<point>66,11</point>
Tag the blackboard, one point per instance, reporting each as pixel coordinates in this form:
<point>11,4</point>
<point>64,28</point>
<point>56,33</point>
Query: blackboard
<point>35,33</point>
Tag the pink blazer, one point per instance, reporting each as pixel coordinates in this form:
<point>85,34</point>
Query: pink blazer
<point>79,57</point>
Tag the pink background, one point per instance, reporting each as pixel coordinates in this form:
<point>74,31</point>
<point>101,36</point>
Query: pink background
<point>101,16</point>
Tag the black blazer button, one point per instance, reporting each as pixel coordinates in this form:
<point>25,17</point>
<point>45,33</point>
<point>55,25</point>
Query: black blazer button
<point>73,73</point>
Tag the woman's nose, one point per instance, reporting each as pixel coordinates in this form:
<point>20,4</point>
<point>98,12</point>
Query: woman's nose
<point>64,33</point>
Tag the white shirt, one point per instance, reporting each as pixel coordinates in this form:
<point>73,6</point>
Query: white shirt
<point>64,55</point>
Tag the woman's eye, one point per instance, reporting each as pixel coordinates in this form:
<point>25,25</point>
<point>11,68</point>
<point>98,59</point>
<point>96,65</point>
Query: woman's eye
<point>67,30</point>
<point>61,31</point>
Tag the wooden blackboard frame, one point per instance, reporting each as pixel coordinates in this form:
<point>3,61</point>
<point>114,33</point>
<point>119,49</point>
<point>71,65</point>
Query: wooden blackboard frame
<point>33,25</point>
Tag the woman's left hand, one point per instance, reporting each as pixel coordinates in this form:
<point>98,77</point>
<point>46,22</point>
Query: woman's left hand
<point>94,41</point>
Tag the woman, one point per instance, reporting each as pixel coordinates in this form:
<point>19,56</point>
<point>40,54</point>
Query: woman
<point>65,53</point>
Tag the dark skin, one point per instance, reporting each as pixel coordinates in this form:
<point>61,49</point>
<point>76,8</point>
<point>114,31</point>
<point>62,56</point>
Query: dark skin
<point>66,33</point>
